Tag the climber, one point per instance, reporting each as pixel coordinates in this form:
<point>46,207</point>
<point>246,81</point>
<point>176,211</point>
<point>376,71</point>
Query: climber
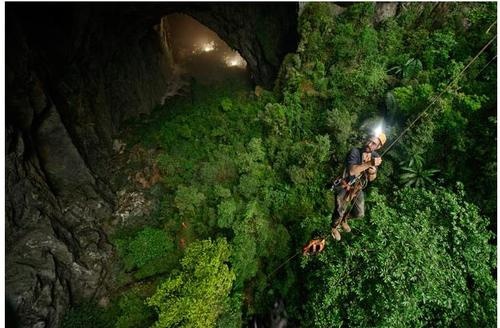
<point>361,163</point>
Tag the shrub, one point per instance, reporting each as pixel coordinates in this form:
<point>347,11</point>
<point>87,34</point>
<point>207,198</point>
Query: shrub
<point>149,249</point>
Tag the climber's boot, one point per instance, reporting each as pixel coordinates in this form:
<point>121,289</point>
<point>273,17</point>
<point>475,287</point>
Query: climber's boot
<point>335,234</point>
<point>346,227</point>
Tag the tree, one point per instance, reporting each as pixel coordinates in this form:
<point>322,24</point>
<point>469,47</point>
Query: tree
<point>196,296</point>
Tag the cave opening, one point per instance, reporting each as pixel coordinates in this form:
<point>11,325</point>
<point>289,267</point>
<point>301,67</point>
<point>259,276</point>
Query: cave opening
<point>200,55</point>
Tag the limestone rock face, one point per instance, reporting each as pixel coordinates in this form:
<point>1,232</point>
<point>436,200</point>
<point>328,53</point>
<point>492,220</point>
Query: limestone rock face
<point>71,80</point>
<point>74,73</point>
<point>55,249</point>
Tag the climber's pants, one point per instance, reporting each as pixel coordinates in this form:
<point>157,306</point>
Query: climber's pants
<point>343,205</point>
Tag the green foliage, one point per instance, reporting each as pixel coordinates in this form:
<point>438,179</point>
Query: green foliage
<point>410,99</point>
<point>133,311</point>
<point>245,254</point>
<point>88,314</point>
<point>226,104</point>
<point>411,68</point>
<point>196,296</point>
<point>315,25</point>
<point>340,123</point>
<point>149,251</point>
<point>424,261</point>
<point>226,213</point>
<point>231,317</point>
<point>188,200</point>
<point>438,49</point>
<point>414,173</point>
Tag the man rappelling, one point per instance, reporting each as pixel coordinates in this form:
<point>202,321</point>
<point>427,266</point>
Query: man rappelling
<point>361,167</point>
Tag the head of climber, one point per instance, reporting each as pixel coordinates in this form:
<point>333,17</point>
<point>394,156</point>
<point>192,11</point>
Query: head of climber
<point>375,142</point>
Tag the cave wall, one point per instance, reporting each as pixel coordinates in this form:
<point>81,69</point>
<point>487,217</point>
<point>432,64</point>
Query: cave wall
<point>74,73</point>
<point>72,76</point>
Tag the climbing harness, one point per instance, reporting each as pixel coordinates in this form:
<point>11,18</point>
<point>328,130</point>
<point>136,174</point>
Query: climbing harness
<point>344,183</point>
